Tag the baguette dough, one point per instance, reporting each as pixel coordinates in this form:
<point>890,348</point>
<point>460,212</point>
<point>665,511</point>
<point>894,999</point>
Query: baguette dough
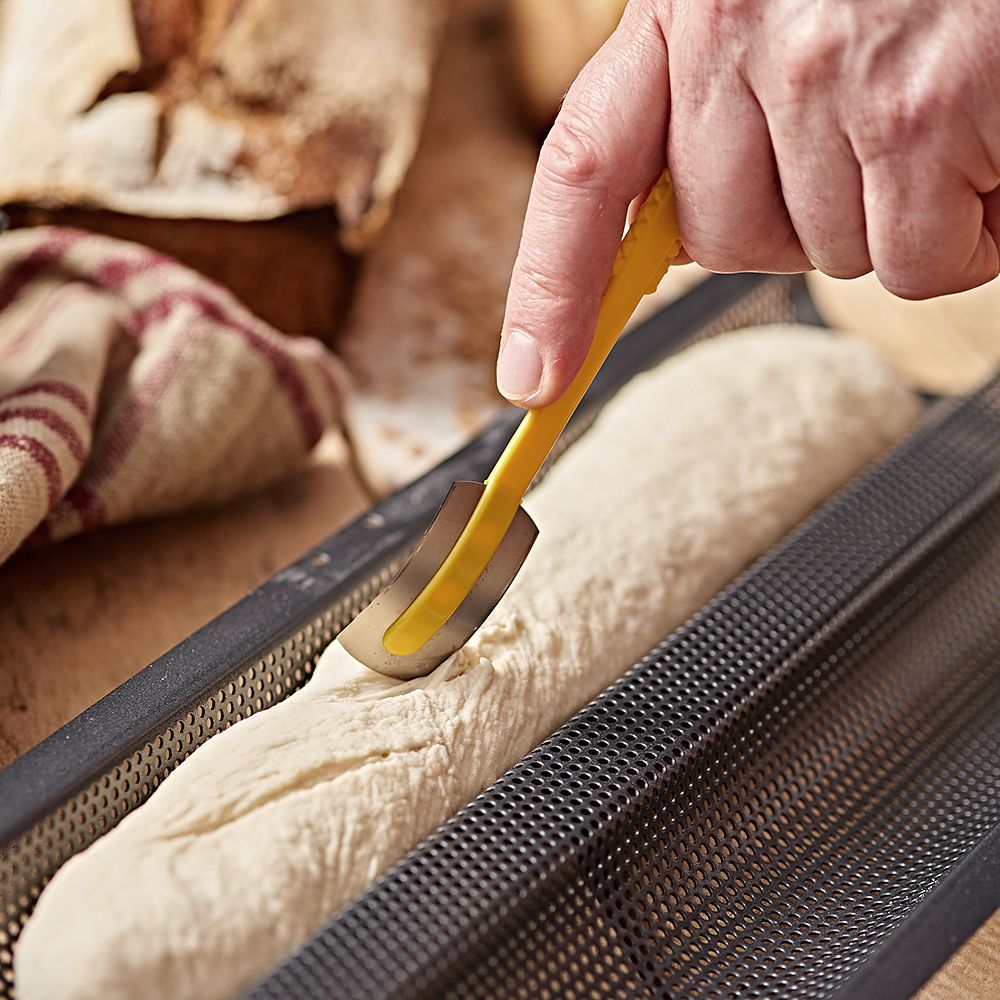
<point>265,832</point>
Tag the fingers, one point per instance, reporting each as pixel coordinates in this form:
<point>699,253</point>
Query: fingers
<point>822,187</point>
<point>606,144</point>
<point>730,206</point>
<point>929,231</point>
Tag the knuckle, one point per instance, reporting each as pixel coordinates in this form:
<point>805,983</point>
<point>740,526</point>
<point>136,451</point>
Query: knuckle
<point>721,13</point>
<point>571,154</point>
<point>809,68</point>
<point>903,108</point>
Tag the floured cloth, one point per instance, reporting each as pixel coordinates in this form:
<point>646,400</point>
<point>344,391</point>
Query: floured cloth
<point>252,843</point>
<point>131,387</point>
<point>233,109</point>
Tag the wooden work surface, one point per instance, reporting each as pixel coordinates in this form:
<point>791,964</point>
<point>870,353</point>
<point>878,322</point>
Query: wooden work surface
<point>79,618</point>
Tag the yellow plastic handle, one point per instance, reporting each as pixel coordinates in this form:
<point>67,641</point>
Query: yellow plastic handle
<point>647,251</point>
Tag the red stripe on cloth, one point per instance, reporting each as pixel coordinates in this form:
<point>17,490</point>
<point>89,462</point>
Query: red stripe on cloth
<point>54,387</point>
<point>129,423</point>
<point>88,505</point>
<point>53,421</point>
<point>117,272</point>
<point>45,459</point>
<point>49,250</point>
<point>281,365</point>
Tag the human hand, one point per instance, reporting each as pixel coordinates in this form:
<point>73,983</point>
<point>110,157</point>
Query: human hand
<point>800,134</point>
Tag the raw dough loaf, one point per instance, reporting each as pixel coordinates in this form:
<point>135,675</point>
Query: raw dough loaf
<point>265,832</point>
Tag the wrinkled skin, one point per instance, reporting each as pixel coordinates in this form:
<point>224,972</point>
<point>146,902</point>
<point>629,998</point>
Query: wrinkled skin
<point>843,135</point>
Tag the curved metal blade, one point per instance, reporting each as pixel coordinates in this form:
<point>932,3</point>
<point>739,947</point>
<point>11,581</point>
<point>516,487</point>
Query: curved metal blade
<point>363,637</point>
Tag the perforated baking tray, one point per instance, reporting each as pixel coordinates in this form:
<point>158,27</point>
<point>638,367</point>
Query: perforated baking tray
<point>765,807</point>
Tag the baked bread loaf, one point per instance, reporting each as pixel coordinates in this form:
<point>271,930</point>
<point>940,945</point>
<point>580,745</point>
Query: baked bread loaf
<point>168,122</point>
<point>219,110</point>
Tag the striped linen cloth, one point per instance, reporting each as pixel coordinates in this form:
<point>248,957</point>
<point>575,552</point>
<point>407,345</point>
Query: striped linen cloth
<point>130,387</point>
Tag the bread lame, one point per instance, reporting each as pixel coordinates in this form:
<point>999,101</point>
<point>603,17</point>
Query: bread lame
<point>481,534</point>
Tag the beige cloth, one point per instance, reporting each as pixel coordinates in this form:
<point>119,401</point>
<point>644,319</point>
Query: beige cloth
<point>131,387</point>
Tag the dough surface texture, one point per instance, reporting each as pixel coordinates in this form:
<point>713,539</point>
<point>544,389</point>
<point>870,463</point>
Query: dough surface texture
<point>248,847</point>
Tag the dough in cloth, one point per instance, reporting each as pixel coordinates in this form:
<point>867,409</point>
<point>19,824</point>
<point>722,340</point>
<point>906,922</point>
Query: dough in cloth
<point>254,842</point>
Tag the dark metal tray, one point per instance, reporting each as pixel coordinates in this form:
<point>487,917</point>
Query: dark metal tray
<point>63,794</point>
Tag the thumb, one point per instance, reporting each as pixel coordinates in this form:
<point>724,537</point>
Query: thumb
<point>605,146</point>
